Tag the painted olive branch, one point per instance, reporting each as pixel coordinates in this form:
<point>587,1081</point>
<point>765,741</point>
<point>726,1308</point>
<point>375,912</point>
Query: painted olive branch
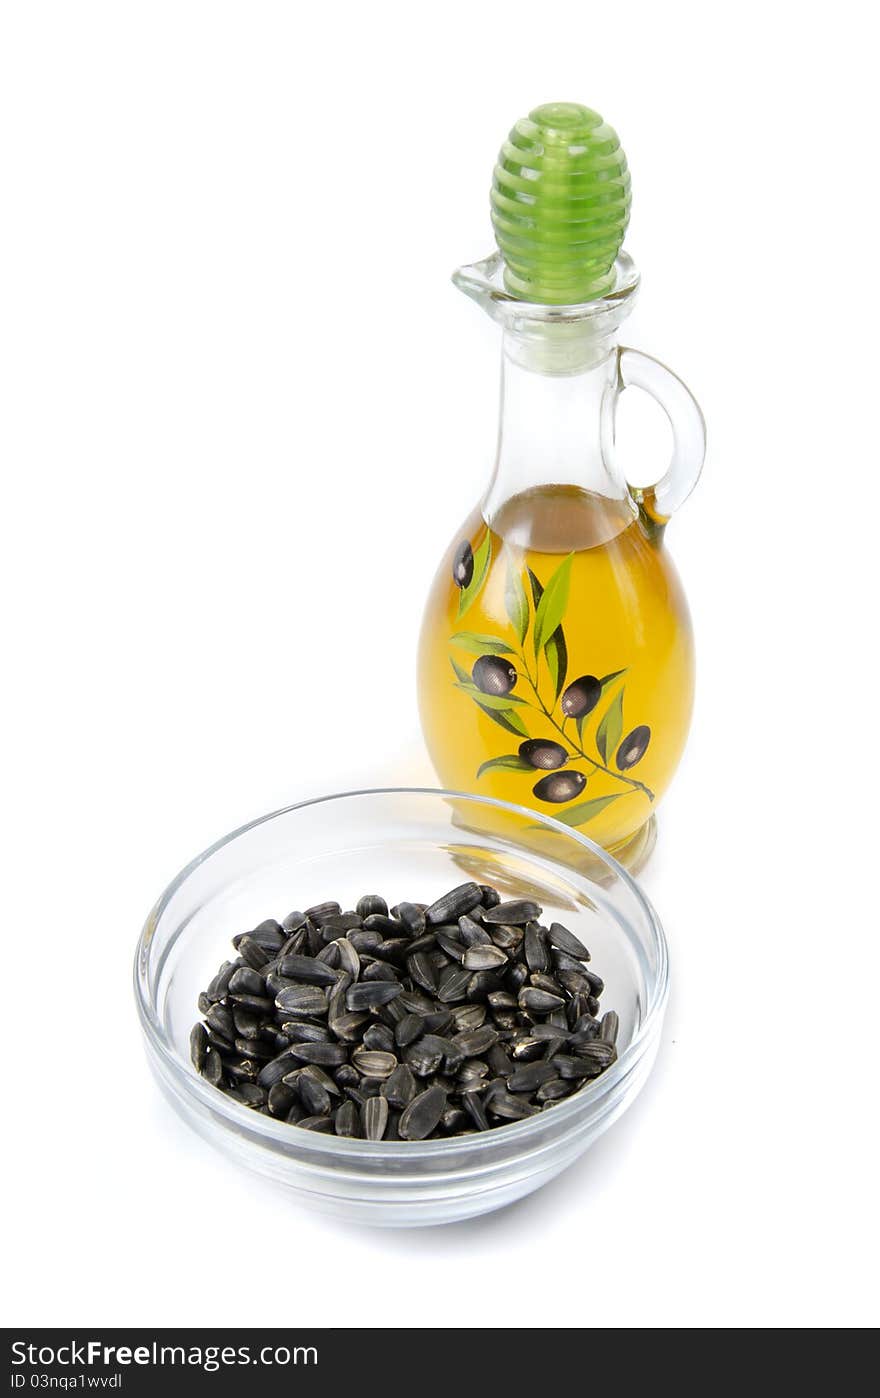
<point>579,752</point>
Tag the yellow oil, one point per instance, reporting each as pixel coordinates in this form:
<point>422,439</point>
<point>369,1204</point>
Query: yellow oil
<point>624,624</point>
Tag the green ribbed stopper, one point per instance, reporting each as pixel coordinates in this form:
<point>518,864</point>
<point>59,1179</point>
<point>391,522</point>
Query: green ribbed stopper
<point>560,204</point>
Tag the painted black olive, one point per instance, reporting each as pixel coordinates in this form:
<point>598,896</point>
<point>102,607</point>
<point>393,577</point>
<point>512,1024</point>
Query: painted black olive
<point>560,786</point>
<point>493,675</point>
<point>463,565</point>
<point>581,696</point>
<point>633,747</point>
<point>542,752</point>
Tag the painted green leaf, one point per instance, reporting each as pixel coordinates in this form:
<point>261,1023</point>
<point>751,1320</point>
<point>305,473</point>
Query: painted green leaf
<point>556,654</point>
<point>508,719</point>
<point>481,645</point>
<point>537,589</point>
<point>579,815</point>
<point>460,673</point>
<point>490,701</point>
<point>607,680</point>
<point>554,600</point>
<point>510,762</point>
<point>517,603</point>
<point>482,558</point>
<point>610,729</point>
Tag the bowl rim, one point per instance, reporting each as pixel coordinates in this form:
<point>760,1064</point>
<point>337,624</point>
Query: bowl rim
<point>234,1114</point>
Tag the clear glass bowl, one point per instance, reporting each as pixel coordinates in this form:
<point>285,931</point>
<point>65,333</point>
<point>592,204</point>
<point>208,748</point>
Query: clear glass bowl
<point>405,844</point>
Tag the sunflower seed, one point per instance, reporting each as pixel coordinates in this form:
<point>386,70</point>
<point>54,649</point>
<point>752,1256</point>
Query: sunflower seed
<point>366,995</point>
<point>348,957</point>
<point>451,947</point>
<point>530,1077</point>
<point>472,934</point>
<point>539,1002</point>
<point>453,904</point>
<point>472,1043</point>
<point>535,949</point>
<point>316,1123</point>
<point>198,1046</point>
<point>324,1055</point>
<point>308,970</point>
<point>374,1118</point>
<point>252,953</point>
<point>453,983</point>
<point>412,917</point>
<point>302,1031</point>
<point>468,1017</point>
<point>422,972</point>
<point>313,1095</point>
<point>321,911</point>
<point>423,1114</point>
<point>369,904</point>
<point>610,1027</point>
<point>348,1026</point>
<point>244,980</point>
<point>408,1030</point>
<point>307,1000</point>
<point>346,1120</point>
<point>254,1048</point>
<point>400,1088</point>
<point>381,923</point>
<point>484,958</point>
<point>473,1105</point>
<point>373,1063</point>
<point>274,1071</point>
<point>517,912</point>
<point>220,984</point>
<point>425,1055</point>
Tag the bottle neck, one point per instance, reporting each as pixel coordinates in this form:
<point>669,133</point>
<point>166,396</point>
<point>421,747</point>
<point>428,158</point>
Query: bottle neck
<point>556,426</point>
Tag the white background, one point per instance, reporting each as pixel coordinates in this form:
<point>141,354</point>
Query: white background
<point>243,411</point>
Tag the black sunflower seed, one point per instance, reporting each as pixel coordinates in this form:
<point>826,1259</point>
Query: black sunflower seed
<point>610,1027</point>
<point>308,1000</point>
<point>325,1055</point>
<point>423,1114</point>
<point>517,912</point>
<point>373,1063</point>
<point>408,1029</point>
<point>280,1099</point>
<point>539,1002</point>
<point>274,1071</point>
<point>530,1077</point>
<point>378,1036</point>
<point>453,984</point>
<point>346,1120</point>
<point>565,940</point>
<point>365,995</point>
<point>472,934</point>
<point>422,972</point>
<point>198,1046</point>
<point>472,1043</point>
<point>251,952</point>
<point>371,903</point>
<point>317,1123</point>
<point>412,917</point>
<point>374,1118</point>
<point>484,958</point>
<point>321,911</point>
<point>400,1088</point>
<point>451,906</point>
<point>308,970</point>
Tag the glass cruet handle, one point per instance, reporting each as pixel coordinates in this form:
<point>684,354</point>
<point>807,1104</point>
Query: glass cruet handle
<point>637,370</point>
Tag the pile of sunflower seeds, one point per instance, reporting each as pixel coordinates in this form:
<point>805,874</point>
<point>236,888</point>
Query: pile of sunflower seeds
<point>422,1021</point>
